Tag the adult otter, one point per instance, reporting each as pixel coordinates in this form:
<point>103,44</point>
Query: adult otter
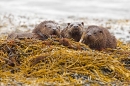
<point>98,38</point>
<point>47,29</point>
<point>44,30</point>
<point>73,30</point>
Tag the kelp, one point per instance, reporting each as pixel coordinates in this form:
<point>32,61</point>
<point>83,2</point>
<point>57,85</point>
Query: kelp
<point>61,61</point>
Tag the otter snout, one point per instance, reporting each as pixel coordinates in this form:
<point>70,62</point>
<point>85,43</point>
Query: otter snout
<point>89,34</point>
<point>76,27</point>
<point>53,31</point>
<point>54,28</point>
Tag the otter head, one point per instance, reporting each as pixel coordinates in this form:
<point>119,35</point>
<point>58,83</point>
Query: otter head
<point>93,36</point>
<point>75,28</point>
<point>47,29</point>
<point>50,29</point>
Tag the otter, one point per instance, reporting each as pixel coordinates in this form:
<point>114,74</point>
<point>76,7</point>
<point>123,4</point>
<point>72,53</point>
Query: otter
<point>47,29</point>
<point>43,31</point>
<point>98,38</point>
<point>73,30</point>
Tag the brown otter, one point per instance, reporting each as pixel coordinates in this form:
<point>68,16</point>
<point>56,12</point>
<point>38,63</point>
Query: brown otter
<point>47,29</point>
<point>73,30</point>
<point>44,30</point>
<point>98,38</point>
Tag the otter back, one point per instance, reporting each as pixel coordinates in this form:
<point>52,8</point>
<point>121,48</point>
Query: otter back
<point>22,35</point>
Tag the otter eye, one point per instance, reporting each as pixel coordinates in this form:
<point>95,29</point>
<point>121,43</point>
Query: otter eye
<point>94,33</point>
<point>71,25</point>
<point>100,31</point>
<point>79,24</point>
<point>58,27</point>
<point>49,27</point>
<point>87,31</point>
<point>45,25</point>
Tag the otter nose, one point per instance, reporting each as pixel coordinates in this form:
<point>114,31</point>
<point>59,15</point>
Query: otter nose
<point>54,28</point>
<point>89,34</point>
<point>76,27</point>
<point>54,31</point>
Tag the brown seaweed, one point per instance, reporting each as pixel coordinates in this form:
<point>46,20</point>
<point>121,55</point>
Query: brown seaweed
<point>61,61</point>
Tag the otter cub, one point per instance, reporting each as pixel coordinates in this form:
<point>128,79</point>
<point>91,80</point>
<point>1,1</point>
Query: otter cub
<point>73,30</point>
<point>47,29</point>
<point>98,38</point>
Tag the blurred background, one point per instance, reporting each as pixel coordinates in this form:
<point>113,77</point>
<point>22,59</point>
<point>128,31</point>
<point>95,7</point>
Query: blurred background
<point>24,15</point>
<point>115,9</point>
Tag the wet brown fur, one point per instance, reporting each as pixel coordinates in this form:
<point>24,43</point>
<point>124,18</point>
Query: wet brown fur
<point>99,38</point>
<point>73,30</point>
<point>21,35</point>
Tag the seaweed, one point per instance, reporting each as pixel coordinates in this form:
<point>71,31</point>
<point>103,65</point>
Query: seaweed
<point>61,61</point>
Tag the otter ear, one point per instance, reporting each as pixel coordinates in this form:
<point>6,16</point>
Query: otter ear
<point>58,27</point>
<point>89,27</point>
<point>68,24</point>
<point>82,23</point>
